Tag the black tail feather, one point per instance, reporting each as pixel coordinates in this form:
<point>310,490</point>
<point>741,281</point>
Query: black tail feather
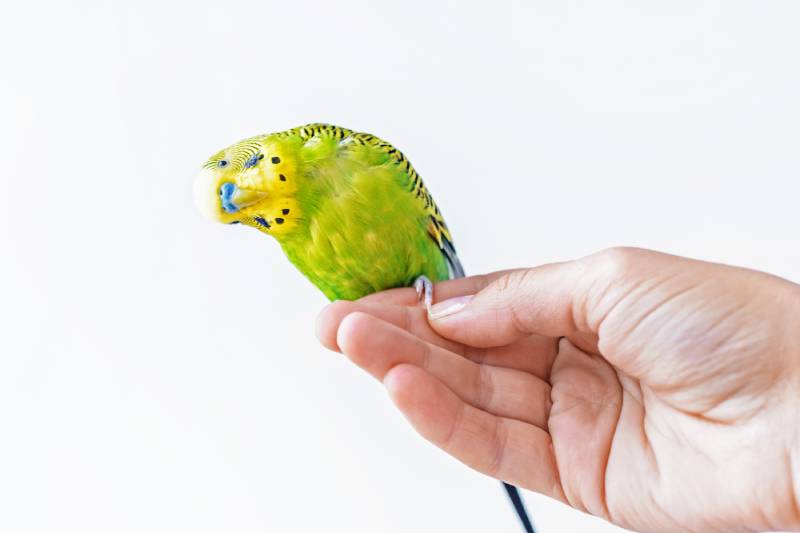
<point>519,507</point>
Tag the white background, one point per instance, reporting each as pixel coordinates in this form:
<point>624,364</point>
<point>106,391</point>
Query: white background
<point>160,373</point>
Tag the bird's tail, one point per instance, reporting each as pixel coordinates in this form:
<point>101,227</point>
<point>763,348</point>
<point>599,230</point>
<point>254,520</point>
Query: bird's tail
<point>519,507</point>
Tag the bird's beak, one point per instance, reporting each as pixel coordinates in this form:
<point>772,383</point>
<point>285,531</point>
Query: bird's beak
<point>241,198</point>
<point>220,202</point>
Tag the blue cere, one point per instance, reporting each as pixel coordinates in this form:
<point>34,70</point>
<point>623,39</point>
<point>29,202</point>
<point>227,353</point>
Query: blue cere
<point>253,161</point>
<point>226,192</point>
<point>261,221</point>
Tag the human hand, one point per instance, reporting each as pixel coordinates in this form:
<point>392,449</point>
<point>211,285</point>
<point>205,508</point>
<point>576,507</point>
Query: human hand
<point>657,392</point>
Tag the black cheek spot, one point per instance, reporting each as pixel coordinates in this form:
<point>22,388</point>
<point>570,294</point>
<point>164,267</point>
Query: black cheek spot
<point>262,222</point>
<point>285,211</point>
<point>283,178</point>
<point>279,220</point>
<point>275,160</point>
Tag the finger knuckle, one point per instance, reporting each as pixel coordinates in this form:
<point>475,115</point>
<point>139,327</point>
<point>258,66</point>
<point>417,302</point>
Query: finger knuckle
<point>510,284</point>
<point>484,387</point>
<point>509,295</point>
<point>616,261</point>
<point>499,444</point>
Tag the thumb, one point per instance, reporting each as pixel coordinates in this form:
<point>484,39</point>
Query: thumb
<point>570,299</point>
<point>516,304</point>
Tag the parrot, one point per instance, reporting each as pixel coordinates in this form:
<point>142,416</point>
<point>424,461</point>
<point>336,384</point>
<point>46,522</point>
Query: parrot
<point>347,208</point>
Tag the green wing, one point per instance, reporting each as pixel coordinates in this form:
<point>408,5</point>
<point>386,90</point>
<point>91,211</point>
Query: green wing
<point>437,228</point>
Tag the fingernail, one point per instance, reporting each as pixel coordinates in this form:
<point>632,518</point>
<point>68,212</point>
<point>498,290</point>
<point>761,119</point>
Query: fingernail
<point>448,307</point>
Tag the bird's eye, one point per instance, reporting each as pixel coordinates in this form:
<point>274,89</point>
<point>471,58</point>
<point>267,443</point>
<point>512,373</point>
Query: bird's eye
<point>222,163</point>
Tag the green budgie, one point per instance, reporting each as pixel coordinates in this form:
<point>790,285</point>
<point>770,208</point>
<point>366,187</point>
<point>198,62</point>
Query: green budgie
<point>348,209</point>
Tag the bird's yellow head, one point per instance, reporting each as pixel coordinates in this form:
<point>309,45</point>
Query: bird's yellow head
<point>252,182</point>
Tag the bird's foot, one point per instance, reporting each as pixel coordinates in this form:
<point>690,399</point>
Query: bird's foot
<point>424,288</point>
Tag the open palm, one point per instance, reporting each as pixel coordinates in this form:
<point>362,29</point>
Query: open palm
<point>657,392</point>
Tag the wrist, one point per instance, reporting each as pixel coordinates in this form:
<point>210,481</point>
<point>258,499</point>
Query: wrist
<point>792,400</point>
<point>783,405</point>
<point>793,457</point>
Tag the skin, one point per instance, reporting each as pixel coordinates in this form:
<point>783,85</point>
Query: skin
<point>657,392</point>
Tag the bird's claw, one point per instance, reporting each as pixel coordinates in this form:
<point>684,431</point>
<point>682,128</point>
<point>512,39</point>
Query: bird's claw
<point>424,288</point>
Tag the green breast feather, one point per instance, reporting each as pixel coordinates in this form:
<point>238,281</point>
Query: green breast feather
<point>348,209</point>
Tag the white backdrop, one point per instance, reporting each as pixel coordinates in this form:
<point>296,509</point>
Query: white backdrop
<point>160,373</point>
